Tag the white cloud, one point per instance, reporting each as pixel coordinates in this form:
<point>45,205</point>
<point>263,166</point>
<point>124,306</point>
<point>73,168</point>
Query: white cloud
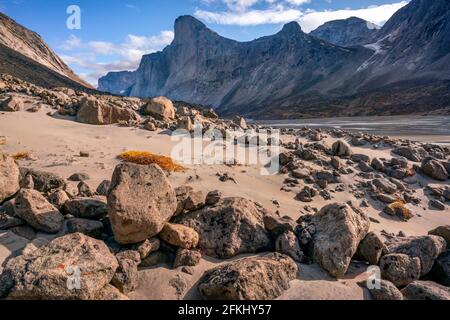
<point>91,56</point>
<point>278,12</point>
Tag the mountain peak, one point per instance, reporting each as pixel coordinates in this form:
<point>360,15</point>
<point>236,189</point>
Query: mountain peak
<point>188,27</point>
<point>291,28</point>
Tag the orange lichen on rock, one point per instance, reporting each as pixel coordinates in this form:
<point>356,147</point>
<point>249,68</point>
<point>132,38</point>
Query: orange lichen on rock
<point>146,158</point>
<point>20,155</point>
<point>2,140</point>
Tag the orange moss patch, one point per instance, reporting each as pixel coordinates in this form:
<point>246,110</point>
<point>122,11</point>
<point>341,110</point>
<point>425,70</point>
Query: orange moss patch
<point>20,156</point>
<point>146,158</point>
<point>398,209</point>
<point>2,141</point>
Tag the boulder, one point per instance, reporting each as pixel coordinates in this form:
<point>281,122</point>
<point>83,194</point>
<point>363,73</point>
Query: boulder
<point>126,277</point>
<point>103,188</point>
<point>339,230</point>
<point>68,268</point>
<point>86,208</point>
<point>32,207</point>
<point>80,176</point>
<point>385,185</point>
<point>400,269</point>
<point>12,104</point>
<point>140,202</point>
<point>426,290</point>
<point>90,228</point>
<point>110,293</point>
<point>187,258</point>
<point>43,181</point>
<point>9,177</point>
<point>185,123</point>
<point>231,227</point>
<point>434,169</point>
<point>278,225</point>
<point>147,247</point>
<point>96,112</point>
<point>287,243</point>
<point>371,248</point>
<point>160,108</point>
<point>441,269</point>
<point>255,278</point>
<point>179,236</point>
<point>387,291</point>
<point>58,198</point>
<point>415,154</point>
<point>342,149</point>
<point>426,248</point>
<point>442,231</point>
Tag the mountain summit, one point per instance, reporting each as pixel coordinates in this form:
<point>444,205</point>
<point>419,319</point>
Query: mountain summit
<point>344,67</point>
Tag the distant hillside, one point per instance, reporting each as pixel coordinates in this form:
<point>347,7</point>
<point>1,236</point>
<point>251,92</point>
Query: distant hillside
<point>22,67</point>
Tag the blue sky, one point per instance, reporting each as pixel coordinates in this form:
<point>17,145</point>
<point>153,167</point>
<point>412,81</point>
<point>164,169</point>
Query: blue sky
<point>115,34</point>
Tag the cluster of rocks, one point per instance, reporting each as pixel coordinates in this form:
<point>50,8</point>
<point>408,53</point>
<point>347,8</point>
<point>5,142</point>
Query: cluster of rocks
<point>138,220</point>
<point>412,268</point>
<point>317,169</point>
<point>100,109</point>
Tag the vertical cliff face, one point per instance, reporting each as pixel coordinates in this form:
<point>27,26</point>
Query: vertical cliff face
<point>202,67</point>
<point>117,82</point>
<point>349,32</point>
<point>31,45</point>
<point>337,63</point>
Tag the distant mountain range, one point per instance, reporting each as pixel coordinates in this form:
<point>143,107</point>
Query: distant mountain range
<point>346,67</point>
<point>25,55</point>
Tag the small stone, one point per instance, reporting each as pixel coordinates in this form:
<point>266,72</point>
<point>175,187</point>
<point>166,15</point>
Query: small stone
<point>180,236</point>
<point>185,257</point>
<point>76,177</point>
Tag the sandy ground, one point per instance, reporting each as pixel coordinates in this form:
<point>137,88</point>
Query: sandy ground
<point>56,144</point>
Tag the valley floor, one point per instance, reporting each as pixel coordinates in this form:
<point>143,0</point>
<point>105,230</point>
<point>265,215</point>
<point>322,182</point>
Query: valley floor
<point>55,145</point>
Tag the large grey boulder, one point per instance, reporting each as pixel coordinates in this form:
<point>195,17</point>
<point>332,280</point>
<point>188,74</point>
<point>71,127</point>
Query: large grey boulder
<point>342,149</point>
<point>255,278</point>
<point>231,227</point>
<point>34,208</point>
<point>96,112</point>
<point>416,154</point>
<point>426,290</point>
<point>426,248</point>
<point>161,108</point>
<point>71,267</point>
<point>43,181</point>
<point>140,202</point>
<point>434,169</point>
<point>339,230</point>
<point>9,177</point>
<point>400,269</point>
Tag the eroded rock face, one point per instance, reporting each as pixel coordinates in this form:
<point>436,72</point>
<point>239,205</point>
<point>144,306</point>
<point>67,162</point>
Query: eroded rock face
<point>255,278</point>
<point>32,207</point>
<point>371,248</point>
<point>232,227</point>
<point>45,273</point>
<point>9,177</point>
<point>287,243</point>
<point>340,229</point>
<point>97,112</point>
<point>426,290</point>
<point>141,201</point>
